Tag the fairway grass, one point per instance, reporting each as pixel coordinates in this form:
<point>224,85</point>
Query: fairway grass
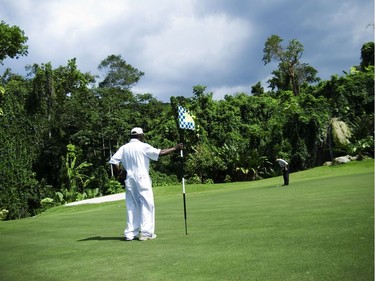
<point>320,227</point>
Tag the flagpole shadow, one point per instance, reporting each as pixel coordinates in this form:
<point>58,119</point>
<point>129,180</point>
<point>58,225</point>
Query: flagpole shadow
<point>101,238</point>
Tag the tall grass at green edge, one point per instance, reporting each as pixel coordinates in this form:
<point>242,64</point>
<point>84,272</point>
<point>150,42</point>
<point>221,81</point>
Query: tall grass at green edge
<point>320,227</point>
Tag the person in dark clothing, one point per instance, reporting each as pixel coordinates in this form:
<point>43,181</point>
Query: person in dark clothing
<point>285,168</point>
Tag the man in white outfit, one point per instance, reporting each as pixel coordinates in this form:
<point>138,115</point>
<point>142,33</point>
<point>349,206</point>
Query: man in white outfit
<point>135,157</point>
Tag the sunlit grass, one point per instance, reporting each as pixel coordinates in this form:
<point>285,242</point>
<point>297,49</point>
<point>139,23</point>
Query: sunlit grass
<point>318,228</point>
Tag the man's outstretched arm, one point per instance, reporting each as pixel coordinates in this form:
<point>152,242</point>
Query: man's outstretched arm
<point>167,151</point>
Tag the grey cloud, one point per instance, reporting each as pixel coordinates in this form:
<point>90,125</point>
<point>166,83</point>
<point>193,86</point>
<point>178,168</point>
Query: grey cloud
<point>179,44</point>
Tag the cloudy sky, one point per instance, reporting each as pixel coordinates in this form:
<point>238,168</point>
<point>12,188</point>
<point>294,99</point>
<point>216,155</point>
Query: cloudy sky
<point>179,44</point>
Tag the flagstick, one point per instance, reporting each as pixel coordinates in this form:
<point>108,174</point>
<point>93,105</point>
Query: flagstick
<point>185,121</point>
<point>183,190</point>
<point>183,179</point>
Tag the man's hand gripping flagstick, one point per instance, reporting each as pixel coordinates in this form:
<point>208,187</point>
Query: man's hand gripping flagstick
<point>185,121</point>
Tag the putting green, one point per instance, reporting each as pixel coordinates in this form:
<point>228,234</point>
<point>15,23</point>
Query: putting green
<point>321,227</point>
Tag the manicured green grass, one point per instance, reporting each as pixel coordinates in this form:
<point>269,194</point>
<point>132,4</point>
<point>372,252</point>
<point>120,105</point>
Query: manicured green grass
<point>320,227</point>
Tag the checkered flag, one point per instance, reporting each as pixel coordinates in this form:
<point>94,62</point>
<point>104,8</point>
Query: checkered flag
<point>185,120</point>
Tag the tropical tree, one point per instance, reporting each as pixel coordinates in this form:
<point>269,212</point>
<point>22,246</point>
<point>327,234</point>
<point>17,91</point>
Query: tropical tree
<point>367,55</point>
<point>205,163</point>
<point>21,190</point>
<point>350,95</point>
<point>58,105</point>
<point>76,173</point>
<point>12,45</point>
<point>118,73</point>
<point>204,108</point>
<point>12,42</point>
<point>116,101</point>
<point>291,73</point>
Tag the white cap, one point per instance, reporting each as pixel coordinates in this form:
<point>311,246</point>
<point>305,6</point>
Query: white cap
<point>136,131</point>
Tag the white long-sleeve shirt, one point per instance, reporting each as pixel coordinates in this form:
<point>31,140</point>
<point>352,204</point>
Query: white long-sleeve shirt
<point>135,157</point>
<point>282,163</point>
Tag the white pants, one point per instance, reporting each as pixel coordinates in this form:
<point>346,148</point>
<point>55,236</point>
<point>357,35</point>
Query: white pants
<point>140,208</point>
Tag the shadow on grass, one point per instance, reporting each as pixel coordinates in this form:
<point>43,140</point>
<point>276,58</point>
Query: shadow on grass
<point>100,238</point>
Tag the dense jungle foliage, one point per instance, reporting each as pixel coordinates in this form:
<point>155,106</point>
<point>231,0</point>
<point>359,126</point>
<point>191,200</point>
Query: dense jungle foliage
<point>59,126</point>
